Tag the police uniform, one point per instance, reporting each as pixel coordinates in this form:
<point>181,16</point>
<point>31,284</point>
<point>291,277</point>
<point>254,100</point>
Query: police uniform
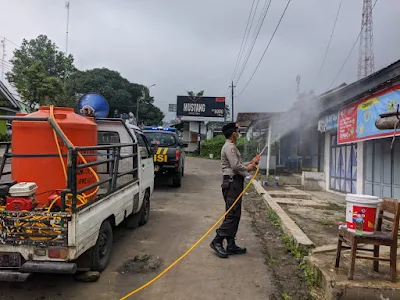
<point>234,172</point>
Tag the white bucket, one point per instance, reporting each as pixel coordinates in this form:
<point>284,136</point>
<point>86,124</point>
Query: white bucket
<point>211,156</point>
<point>361,213</point>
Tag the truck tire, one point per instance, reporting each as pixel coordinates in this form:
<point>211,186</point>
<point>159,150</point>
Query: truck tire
<point>145,209</point>
<point>177,180</point>
<point>101,252</point>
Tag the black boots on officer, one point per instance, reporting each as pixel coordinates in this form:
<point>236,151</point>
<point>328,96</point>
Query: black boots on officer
<point>231,249</point>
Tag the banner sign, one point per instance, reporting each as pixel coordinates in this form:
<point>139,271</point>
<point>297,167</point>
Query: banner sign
<point>172,107</point>
<point>200,108</point>
<point>357,121</point>
<point>328,123</point>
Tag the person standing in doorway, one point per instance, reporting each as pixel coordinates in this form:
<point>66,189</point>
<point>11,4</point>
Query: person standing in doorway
<point>234,172</point>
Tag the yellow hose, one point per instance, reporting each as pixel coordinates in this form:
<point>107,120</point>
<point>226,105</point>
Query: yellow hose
<point>194,245</point>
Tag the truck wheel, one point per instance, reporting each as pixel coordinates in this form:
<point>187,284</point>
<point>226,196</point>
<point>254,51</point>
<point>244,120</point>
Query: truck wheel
<point>145,209</point>
<point>177,180</point>
<point>101,252</point>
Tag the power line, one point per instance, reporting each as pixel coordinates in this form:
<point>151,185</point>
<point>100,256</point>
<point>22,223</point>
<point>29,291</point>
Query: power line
<point>351,51</point>
<point>242,45</point>
<point>9,41</point>
<point>330,39</point>
<point>265,51</point>
<point>6,62</point>
<point>255,36</point>
<point>248,33</point>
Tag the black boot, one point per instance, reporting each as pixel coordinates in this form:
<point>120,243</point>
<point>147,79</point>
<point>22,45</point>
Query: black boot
<point>233,248</point>
<point>218,247</point>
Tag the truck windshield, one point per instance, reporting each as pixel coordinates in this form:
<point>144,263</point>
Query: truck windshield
<point>162,139</point>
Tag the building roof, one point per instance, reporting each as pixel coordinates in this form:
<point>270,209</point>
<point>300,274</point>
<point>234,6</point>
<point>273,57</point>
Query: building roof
<point>380,80</point>
<point>7,100</point>
<point>245,119</point>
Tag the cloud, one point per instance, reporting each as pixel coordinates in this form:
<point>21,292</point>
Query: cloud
<point>193,45</point>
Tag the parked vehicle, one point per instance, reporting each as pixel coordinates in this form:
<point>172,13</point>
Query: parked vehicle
<point>169,157</point>
<point>61,229</point>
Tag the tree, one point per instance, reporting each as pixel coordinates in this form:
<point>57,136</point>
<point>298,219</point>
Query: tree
<point>121,94</point>
<point>227,111</point>
<point>39,71</point>
<point>199,94</point>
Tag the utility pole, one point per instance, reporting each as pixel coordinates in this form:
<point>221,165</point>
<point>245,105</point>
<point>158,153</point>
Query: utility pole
<point>3,57</point>
<point>366,60</point>
<point>233,100</point>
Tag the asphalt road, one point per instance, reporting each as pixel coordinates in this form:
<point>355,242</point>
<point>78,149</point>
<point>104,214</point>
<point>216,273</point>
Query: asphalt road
<point>178,218</point>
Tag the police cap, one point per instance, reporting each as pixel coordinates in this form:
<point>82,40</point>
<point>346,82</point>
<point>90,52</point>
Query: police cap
<point>229,128</point>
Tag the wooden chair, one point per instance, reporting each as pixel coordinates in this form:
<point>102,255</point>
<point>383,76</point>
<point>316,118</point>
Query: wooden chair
<point>379,238</point>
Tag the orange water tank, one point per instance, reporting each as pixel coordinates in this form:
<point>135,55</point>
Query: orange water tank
<point>36,137</point>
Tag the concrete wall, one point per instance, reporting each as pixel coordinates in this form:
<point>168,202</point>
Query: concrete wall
<point>360,168</point>
<point>313,181</point>
<point>327,156</point>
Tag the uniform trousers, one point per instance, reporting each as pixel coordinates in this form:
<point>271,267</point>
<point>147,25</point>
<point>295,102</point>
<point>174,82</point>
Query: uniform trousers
<point>232,187</point>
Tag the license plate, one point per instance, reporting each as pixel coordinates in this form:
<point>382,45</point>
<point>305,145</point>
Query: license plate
<point>10,260</point>
<point>156,168</point>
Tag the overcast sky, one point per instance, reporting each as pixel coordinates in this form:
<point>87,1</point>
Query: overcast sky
<point>183,45</point>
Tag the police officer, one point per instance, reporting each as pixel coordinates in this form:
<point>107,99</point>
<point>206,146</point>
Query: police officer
<point>234,172</point>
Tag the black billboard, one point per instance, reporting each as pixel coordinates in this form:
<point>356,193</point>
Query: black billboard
<point>200,108</point>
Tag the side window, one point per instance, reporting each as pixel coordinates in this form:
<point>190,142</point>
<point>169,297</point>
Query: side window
<point>143,148</point>
<point>108,137</point>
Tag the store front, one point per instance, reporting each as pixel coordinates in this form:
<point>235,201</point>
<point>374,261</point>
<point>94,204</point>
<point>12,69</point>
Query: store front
<point>343,167</point>
<point>382,168</point>
<point>380,171</point>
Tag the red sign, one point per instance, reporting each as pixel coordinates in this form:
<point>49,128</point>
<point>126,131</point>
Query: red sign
<point>347,124</point>
<point>220,99</point>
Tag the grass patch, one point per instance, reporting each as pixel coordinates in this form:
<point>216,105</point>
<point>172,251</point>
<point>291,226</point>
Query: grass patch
<point>272,261</point>
<point>295,251</point>
<point>286,296</point>
<point>273,218</point>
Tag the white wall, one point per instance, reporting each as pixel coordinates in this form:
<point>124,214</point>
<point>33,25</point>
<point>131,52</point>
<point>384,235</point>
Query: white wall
<point>360,168</point>
<point>327,155</point>
<point>194,127</point>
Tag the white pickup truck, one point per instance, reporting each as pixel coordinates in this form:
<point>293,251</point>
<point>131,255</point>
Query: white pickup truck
<point>80,237</point>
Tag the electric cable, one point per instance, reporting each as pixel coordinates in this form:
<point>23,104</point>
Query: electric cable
<point>265,51</point>
<point>255,35</point>
<point>330,39</point>
<point>3,37</point>
<point>242,45</point>
<point>351,51</point>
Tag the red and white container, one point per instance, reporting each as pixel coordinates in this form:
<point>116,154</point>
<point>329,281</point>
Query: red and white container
<point>361,213</point>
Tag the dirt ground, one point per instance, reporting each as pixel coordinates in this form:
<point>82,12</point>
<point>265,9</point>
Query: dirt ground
<point>318,214</point>
<point>179,217</point>
<point>288,277</point>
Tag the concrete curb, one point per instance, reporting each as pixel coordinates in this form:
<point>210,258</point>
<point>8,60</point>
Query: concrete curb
<point>288,225</point>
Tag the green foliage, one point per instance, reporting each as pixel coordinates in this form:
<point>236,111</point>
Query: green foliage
<point>5,137</point>
<point>121,94</point>
<point>214,146</point>
<point>39,70</point>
